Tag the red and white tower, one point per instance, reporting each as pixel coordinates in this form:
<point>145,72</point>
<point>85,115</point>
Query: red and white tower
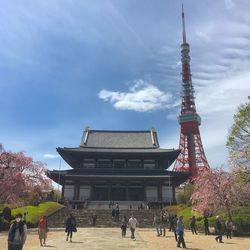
<point>192,157</point>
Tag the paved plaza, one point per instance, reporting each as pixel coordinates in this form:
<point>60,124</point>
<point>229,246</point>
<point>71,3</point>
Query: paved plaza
<point>110,238</point>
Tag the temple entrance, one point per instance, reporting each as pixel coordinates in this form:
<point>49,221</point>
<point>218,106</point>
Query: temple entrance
<point>118,194</point>
<point>136,193</point>
<point>100,193</point>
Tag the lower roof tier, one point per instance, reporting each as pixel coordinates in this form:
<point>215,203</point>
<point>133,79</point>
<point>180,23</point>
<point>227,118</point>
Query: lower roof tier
<point>176,178</point>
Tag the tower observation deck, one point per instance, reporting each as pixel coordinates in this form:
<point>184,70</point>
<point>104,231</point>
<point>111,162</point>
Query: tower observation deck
<point>192,157</point>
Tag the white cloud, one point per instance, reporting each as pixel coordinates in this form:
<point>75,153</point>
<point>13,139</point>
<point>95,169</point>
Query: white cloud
<point>223,95</point>
<point>141,97</point>
<point>229,4</point>
<point>50,156</point>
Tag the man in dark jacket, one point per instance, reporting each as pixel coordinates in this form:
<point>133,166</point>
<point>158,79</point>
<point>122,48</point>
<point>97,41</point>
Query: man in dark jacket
<point>70,227</point>
<point>218,230</point>
<point>180,232</point>
<point>206,226</point>
<point>193,225</point>
<point>17,234</point>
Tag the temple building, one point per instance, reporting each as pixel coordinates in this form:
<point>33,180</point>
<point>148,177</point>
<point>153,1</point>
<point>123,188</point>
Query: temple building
<point>119,166</point>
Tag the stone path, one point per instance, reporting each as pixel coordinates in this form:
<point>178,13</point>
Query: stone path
<point>110,239</point>
<point>85,238</point>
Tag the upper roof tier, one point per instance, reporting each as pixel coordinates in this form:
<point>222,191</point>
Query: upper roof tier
<point>106,144</point>
<point>119,139</point>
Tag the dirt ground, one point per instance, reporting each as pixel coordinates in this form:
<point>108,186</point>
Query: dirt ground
<point>110,238</point>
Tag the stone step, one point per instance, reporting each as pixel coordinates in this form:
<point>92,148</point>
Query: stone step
<point>104,219</point>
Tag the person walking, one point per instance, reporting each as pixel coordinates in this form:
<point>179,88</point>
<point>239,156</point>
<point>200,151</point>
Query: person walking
<point>43,230</point>
<point>157,224</point>
<point>206,226</point>
<point>17,234</point>
<point>218,229</point>
<point>193,225</point>
<point>132,223</point>
<point>117,213</point>
<point>124,226</point>
<point>180,232</point>
<point>164,223</point>
<point>171,218</point>
<point>70,227</point>
<point>174,225</point>
<point>113,213</point>
<point>229,227</point>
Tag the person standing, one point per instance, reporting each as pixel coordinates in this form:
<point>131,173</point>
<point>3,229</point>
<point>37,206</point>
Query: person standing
<point>229,227</point>
<point>94,218</point>
<point>174,225</point>
<point>218,229</point>
<point>42,230</point>
<point>157,224</point>
<point>70,227</point>
<point>113,213</point>
<point>193,225</point>
<point>132,223</point>
<point>180,232</point>
<point>17,234</point>
<point>1,222</point>
<point>206,226</point>
<point>25,217</point>
<point>124,226</point>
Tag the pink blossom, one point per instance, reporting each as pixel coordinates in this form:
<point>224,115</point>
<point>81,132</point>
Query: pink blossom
<point>19,174</point>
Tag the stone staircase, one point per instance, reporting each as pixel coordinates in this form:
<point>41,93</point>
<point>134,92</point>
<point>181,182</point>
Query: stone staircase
<point>104,218</point>
<point>123,205</point>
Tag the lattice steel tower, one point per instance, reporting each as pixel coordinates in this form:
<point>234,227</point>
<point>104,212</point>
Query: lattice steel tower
<point>192,157</point>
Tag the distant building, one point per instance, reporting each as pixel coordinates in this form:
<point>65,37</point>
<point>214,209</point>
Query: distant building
<point>119,166</point>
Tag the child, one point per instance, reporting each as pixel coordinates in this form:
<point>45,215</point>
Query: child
<point>124,226</point>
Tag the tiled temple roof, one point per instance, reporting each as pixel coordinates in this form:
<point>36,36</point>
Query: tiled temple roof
<point>119,139</point>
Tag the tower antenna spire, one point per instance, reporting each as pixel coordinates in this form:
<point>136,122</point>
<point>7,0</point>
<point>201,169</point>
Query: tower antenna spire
<point>183,27</point>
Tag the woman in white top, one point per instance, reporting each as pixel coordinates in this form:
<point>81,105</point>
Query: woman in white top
<point>132,223</point>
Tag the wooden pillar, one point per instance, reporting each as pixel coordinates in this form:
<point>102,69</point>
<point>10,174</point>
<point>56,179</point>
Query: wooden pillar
<point>109,191</point>
<point>63,183</point>
<point>173,190</point>
<point>144,191</point>
<point>75,191</point>
<point>127,195</point>
<point>160,192</point>
<point>91,190</point>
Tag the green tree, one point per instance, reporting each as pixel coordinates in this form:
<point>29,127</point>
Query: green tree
<point>238,141</point>
<point>184,195</point>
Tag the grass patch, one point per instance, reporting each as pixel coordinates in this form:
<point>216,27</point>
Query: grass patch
<point>36,212</point>
<point>240,217</point>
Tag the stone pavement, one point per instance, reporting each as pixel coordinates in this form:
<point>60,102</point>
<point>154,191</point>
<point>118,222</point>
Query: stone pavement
<point>85,238</point>
<point>110,239</point>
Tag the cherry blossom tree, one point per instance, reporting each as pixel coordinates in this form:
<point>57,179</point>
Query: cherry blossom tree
<point>216,190</point>
<point>19,175</point>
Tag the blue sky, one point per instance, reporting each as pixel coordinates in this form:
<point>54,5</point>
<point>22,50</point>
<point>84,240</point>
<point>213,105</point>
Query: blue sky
<point>116,65</point>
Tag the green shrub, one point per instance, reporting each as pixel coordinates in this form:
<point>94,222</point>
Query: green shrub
<point>36,212</point>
